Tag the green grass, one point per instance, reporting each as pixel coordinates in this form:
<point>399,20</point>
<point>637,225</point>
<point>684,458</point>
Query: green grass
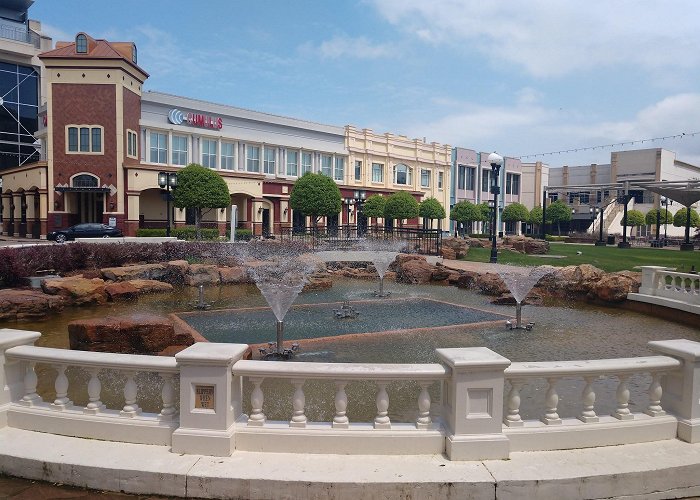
<point>609,259</point>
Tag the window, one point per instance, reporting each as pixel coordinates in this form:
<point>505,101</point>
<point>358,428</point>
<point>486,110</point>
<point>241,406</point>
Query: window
<point>461,176</point>
<point>84,139</point>
<point>440,175</point>
<point>134,54</point>
<point>159,148</point>
<point>485,180</point>
<point>227,155</point>
<point>305,162</point>
<point>358,170</point>
<point>339,171</point>
<point>131,149</point>
<point>269,165</point>
<point>425,178</point>
<point>326,164</point>
<point>252,160</point>
<point>584,198</point>
<point>377,172</point>
<point>293,163</point>
<point>81,45</point>
<point>471,173</point>
<point>402,175</point>
<point>179,150</point>
<point>209,153</point>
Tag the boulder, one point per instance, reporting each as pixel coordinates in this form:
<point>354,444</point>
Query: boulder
<point>477,243</point>
<point>202,274</point>
<point>576,280</point>
<point>18,305</point>
<point>318,283</point>
<point>175,271</point>
<point>135,272</point>
<point>454,248</point>
<point>150,286</point>
<point>134,335</point>
<point>440,273</point>
<point>76,290</point>
<point>467,279</point>
<point>121,290</point>
<point>413,269</point>
<point>527,245</point>
<point>233,275</point>
<point>615,287</point>
<point>491,284</point>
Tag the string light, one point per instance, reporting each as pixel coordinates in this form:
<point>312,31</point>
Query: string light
<point>617,144</point>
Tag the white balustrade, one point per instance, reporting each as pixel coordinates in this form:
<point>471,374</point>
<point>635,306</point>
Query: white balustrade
<point>298,403</point>
<point>669,288</point>
<point>340,420</point>
<point>61,386</point>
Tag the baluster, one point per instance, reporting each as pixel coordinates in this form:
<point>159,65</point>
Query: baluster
<point>257,417</point>
<point>30,397</point>
<point>167,395</point>
<point>513,418</point>
<point>655,392</point>
<point>340,420</point>
<point>382,421</point>
<point>131,409</point>
<point>551,417</point>
<point>424,420</point>
<point>61,385</point>
<point>623,397</point>
<point>298,403</point>
<point>588,414</point>
<point>94,389</point>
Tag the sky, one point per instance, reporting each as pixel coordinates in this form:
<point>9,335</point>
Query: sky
<point>520,77</point>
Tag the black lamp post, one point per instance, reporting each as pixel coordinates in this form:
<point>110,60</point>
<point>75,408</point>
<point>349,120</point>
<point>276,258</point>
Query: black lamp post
<point>624,243</point>
<point>496,161</point>
<point>359,196</point>
<point>600,242</point>
<point>665,202</point>
<point>167,180</point>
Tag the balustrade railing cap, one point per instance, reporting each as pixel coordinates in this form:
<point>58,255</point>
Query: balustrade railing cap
<point>681,348</point>
<point>9,337</point>
<point>211,353</point>
<point>474,358</point>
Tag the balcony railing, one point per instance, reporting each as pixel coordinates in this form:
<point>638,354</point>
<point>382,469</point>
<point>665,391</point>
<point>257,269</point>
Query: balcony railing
<point>19,35</point>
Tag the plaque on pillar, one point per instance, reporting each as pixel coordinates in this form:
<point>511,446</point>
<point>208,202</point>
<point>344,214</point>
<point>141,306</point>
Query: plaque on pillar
<point>204,398</point>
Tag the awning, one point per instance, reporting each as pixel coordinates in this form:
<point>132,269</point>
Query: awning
<point>67,189</point>
<point>684,192</point>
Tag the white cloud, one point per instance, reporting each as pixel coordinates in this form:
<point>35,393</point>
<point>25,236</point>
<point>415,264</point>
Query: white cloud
<point>549,38</point>
<point>356,48</point>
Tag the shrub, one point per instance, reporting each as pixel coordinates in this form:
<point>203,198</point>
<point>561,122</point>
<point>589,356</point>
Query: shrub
<point>241,234</point>
<point>150,232</point>
<point>550,237</point>
<point>190,233</point>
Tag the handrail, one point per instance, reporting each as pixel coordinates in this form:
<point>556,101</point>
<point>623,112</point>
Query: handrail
<point>137,362</point>
<point>345,371</point>
<point>591,367</point>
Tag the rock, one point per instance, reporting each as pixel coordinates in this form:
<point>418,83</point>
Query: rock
<point>615,287</point>
<point>150,286</point>
<point>533,298</point>
<point>440,274</point>
<point>318,283</point>
<point>467,279</point>
<point>121,290</point>
<point>575,280</point>
<point>413,269</point>
<point>477,243</point>
<point>142,335</point>
<point>77,291</point>
<point>175,271</point>
<point>202,274</point>
<point>454,248</point>
<point>18,305</point>
<point>139,271</point>
<point>527,245</point>
<point>233,275</point>
<point>448,253</point>
<point>491,284</point>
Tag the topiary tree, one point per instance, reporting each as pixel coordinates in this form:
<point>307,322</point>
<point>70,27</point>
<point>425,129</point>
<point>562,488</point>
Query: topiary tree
<point>374,207</point>
<point>535,217</point>
<point>401,205</point>
<point>465,212</point>
<point>202,190</point>
<point>680,218</point>
<point>431,209</point>
<point>486,212</point>
<point>558,212</point>
<point>651,217</point>
<point>635,218</point>
<point>316,195</point>
<point>516,212</point>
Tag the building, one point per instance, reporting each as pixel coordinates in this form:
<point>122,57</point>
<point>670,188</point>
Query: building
<point>22,92</point>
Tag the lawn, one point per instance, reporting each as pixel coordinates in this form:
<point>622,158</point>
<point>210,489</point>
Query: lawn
<point>607,258</point>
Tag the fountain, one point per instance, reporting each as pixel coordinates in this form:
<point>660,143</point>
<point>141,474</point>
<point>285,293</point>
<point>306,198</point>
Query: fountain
<point>382,254</point>
<point>346,311</point>
<point>519,286</point>
<point>200,304</point>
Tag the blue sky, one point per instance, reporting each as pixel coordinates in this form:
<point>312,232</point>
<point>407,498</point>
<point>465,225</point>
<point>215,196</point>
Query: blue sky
<point>515,76</point>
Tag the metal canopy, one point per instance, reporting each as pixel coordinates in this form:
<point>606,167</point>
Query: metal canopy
<point>684,192</point>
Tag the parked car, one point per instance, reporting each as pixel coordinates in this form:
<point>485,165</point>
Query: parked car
<point>91,230</point>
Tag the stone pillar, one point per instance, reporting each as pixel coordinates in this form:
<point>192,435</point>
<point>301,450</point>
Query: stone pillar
<point>11,374</point>
<point>681,389</point>
<point>650,279</point>
<point>209,404</point>
<point>473,403</point>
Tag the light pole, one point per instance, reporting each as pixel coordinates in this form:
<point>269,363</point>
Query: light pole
<point>665,202</point>
<point>167,180</point>
<point>624,243</point>
<point>496,161</point>
<point>600,242</point>
<point>359,196</point>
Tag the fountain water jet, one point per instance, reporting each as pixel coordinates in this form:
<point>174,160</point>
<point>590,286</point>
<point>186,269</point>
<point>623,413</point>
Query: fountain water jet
<point>382,254</point>
<point>519,286</point>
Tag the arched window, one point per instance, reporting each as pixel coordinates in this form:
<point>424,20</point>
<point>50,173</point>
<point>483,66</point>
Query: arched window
<point>85,181</point>
<point>134,54</point>
<point>81,45</point>
<point>403,174</point>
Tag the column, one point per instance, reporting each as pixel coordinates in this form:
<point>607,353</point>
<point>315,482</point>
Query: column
<point>210,399</point>
<point>474,403</point>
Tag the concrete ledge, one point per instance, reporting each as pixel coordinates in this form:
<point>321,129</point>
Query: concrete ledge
<point>663,469</point>
<point>128,239</point>
<point>665,302</point>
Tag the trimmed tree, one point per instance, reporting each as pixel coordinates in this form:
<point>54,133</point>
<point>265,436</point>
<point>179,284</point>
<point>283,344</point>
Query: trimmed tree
<point>374,207</point>
<point>635,218</point>
<point>466,213</point>
<point>558,212</point>
<point>516,212</point>
<point>535,217</point>
<point>202,190</point>
<point>401,205</point>
<point>651,217</point>
<point>316,195</point>
<point>431,209</point>
<point>680,217</point>
<point>486,213</point>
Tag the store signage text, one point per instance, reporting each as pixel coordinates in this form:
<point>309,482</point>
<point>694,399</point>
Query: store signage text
<point>177,117</point>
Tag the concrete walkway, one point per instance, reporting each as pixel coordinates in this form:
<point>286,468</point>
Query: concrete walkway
<point>664,469</point>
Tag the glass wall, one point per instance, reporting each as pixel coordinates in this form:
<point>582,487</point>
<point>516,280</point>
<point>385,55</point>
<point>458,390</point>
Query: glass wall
<point>19,109</point>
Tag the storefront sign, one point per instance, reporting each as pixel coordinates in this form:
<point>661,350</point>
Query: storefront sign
<point>112,222</point>
<point>204,397</point>
<point>177,117</point>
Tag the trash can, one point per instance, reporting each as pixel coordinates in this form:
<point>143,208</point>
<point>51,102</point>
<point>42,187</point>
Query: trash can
<point>611,239</point>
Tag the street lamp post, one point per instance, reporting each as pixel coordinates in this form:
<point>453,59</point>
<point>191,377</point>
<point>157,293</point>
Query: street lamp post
<point>167,180</point>
<point>359,196</point>
<point>496,161</point>
<point>600,242</point>
<point>665,202</point>
<point>624,243</point>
